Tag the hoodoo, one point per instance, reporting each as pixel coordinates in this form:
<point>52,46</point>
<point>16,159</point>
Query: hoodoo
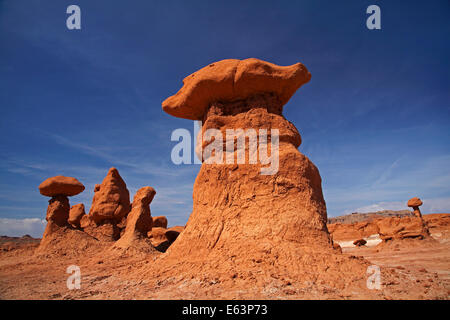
<point>415,203</point>
<point>110,206</point>
<point>59,188</point>
<point>139,222</point>
<point>243,219</point>
<point>60,235</point>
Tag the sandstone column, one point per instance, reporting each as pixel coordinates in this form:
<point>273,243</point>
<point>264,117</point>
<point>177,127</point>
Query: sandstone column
<point>237,210</point>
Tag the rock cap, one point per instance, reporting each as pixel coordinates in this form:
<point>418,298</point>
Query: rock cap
<point>234,79</point>
<point>160,222</point>
<point>60,185</point>
<point>143,196</point>
<point>414,202</point>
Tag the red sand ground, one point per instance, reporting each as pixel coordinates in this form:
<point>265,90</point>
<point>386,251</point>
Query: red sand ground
<point>410,269</point>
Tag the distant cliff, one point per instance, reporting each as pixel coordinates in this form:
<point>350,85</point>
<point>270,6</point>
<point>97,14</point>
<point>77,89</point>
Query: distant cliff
<point>358,217</point>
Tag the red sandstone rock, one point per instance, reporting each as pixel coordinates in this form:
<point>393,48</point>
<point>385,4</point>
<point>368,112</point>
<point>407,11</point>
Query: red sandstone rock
<point>233,79</point>
<point>60,185</point>
<point>352,231</point>
<point>415,203</point>
<point>402,228</point>
<point>58,210</point>
<point>157,235</point>
<point>76,214</point>
<point>66,242</point>
<point>85,221</point>
<point>106,230</point>
<point>437,220</point>
<point>59,238</point>
<point>243,221</point>
<point>110,206</point>
<point>139,220</point>
<point>111,199</point>
<point>337,247</point>
<point>173,233</point>
<point>160,222</point>
<point>390,228</point>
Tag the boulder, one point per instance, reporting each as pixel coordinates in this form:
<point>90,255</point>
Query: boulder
<point>233,79</point>
<point>111,199</point>
<point>160,222</point>
<point>58,210</point>
<point>414,202</point>
<point>85,221</point>
<point>60,185</point>
<point>157,236</point>
<point>76,214</point>
<point>402,228</point>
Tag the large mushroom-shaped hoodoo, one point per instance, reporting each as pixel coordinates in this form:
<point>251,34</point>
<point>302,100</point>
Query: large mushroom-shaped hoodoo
<point>249,216</point>
<point>235,206</point>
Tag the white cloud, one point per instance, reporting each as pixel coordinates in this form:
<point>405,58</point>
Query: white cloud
<point>19,227</point>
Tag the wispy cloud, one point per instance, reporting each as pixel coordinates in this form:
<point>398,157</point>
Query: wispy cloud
<point>387,173</point>
<point>116,157</point>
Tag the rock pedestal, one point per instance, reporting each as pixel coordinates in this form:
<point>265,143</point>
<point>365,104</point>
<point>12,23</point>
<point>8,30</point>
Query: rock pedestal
<point>58,210</point>
<point>242,217</point>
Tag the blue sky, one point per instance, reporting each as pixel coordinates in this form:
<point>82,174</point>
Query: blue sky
<point>374,117</point>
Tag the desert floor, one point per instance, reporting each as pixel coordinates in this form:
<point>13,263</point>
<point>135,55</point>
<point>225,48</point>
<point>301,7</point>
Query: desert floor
<point>417,270</point>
